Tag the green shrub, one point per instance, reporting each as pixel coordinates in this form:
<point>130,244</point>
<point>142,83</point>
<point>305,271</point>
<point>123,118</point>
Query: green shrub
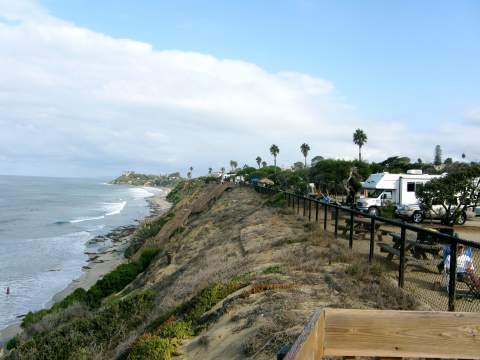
<point>13,343</point>
<point>176,329</point>
<point>145,231</point>
<point>191,311</point>
<point>111,283</point>
<point>274,269</point>
<point>152,347</point>
<point>101,331</point>
<point>277,201</point>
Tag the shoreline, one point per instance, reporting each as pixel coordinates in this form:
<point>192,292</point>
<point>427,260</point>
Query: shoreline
<point>99,263</point>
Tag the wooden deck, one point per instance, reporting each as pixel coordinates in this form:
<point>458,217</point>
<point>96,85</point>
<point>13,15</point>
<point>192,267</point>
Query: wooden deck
<point>389,333</point>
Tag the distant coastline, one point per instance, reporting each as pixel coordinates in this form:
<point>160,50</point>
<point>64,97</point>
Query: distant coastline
<point>138,179</point>
<point>102,262</point>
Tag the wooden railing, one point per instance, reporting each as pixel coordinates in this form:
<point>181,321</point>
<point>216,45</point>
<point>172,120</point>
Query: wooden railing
<point>388,333</point>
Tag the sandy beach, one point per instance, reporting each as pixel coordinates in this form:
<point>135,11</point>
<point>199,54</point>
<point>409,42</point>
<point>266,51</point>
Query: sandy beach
<point>99,263</point>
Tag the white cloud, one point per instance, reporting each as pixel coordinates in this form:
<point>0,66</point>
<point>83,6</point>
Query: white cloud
<point>71,98</point>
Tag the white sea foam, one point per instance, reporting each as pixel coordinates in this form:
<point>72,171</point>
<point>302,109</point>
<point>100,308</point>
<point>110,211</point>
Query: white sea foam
<point>82,219</point>
<point>114,208</point>
<point>139,193</point>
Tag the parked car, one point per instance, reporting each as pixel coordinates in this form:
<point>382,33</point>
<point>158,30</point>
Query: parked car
<point>477,211</point>
<point>417,213</point>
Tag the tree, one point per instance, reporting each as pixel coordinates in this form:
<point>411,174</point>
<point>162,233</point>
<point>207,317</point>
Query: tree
<point>448,161</point>
<point>233,165</point>
<point>298,165</point>
<point>222,169</point>
<point>419,161</point>
<point>464,156</point>
<point>189,175</point>
<point>438,155</point>
<point>305,148</point>
<point>274,150</point>
<point>455,192</point>
<point>360,139</point>
<point>259,161</point>
<point>264,163</point>
<point>210,171</point>
<point>315,160</point>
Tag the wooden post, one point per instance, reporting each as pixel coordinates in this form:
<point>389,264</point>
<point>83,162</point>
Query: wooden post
<point>309,209</point>
<point>298,204</point>
<point>304,205</point>
<point>372,239</point>
<point>350,239</point>
<point>316,211</point>
<point>452,283</point>
<point>325,209</point>
<point>336,221</point>
<point>401,267</point>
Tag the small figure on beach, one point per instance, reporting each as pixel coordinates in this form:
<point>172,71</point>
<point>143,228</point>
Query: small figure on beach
<point>8,290</point>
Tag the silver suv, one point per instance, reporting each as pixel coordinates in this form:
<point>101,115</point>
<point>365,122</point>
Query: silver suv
<point>418,213</point>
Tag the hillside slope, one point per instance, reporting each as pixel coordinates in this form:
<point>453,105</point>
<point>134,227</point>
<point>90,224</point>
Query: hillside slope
<point>237,278</point>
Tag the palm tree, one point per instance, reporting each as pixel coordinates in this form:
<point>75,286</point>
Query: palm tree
<point>305,148</point>
<point>274,150</point>
<point>264,163</point>
<point>360,139</point>
<point>233,165</point>
<point>210,171</point>
<point>259,161</point>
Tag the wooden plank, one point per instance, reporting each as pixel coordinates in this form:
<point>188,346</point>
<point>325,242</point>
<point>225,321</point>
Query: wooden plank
<point>308,344</point>
<point>387,333</point>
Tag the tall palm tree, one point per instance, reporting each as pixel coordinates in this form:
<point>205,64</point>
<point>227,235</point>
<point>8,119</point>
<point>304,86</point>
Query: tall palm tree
<point>264,163</point>
<point>305,148</point>
<point>274,150</point>
<point>360,139</point>
<point>210,171</point>
<point>233,165</point>
<point>259,161</point>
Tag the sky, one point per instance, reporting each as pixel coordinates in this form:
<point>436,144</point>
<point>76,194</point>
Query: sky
<point>93,88</point>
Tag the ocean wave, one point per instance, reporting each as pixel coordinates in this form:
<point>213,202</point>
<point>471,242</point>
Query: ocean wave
<point>140,193</point>
<point>82,219</point>
<point>114,208</point>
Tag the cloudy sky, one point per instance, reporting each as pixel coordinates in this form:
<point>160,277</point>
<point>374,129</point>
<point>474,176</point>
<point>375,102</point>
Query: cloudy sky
<point>92,88</point>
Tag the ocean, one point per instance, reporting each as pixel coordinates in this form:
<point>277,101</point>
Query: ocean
<point>45,224</point>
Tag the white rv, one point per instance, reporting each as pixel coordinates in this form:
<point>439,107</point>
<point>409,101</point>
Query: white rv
<point>395,189</point>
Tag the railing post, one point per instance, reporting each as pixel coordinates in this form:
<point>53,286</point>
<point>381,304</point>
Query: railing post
<point>350,238</point>
<point>325,209</point>
<point>304,205</point>
<point>372,240</point>
<point>309,209</point>
<point>298,204</point>
<point>316,211</point>
<point>336,221</point>
<point>401,268</point>
<point>452,283</point>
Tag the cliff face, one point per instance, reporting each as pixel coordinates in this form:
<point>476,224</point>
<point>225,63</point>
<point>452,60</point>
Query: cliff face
<point>237,277</point>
